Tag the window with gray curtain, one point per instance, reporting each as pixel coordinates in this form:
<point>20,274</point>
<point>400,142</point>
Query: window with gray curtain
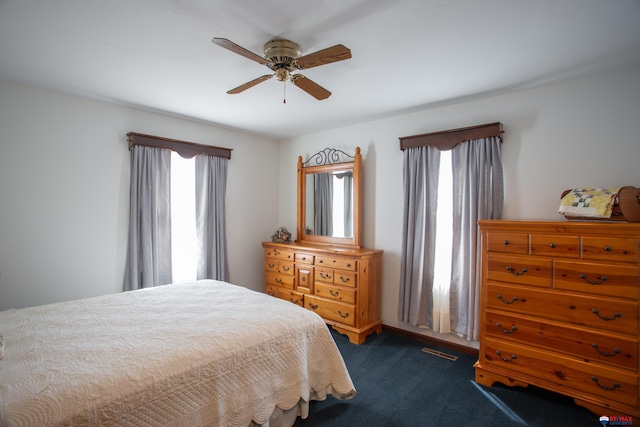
<point>477,192</point>
<point>149,246</point>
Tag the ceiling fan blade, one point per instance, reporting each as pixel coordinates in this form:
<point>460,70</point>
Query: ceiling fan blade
<point>309,86</point>
<point>325,56</point>
<point>228,44</point>
<point>250,84</point>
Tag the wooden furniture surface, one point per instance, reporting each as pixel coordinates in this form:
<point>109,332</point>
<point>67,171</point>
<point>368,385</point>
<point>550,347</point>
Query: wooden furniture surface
<point>342,285</point>
<point>560,310</point>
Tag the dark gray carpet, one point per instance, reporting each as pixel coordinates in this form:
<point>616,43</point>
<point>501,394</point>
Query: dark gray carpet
<point>400,385</point>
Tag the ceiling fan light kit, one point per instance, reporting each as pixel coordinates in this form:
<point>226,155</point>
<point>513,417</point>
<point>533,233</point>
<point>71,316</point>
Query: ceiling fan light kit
<point>284,57</point>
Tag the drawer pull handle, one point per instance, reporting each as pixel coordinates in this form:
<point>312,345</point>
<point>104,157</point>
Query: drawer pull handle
<point>271,265</point>
<point>507,331</point>
<point>600,280</point>
<point>292,300</point>
<point>615,351</point>
<point>597,313</point>
<point>345,315</point>
<point>286,268</point>
<point>506,242</point>
<point>348,265</point>
<point>344,279</point>
<point>608,248</point>
<point>313,306</point>
<point>271,293</point>
<point>515,273</point>
<point>514,299</point>
<point>552,245</point>
<point>604,387</point>
<point>325,276</point>
<point>504,359</point>
<point>334,293</point>
<point>278,280</point>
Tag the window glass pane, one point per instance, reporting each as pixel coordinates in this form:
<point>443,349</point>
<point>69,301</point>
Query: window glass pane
<point>183,219</point>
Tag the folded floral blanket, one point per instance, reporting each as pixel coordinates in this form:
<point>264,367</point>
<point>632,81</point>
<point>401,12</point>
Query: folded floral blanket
<point>589,202</point>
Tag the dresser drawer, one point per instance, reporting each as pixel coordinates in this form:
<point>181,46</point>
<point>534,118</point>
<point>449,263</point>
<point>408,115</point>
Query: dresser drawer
<point>304,258</point>
<point>345,278</point>
<point>600,279</point>
<point>508,243</point>
<point>523,270</point>
<point>336,292</point>
<point>285,294</point>
<point>286,267</point>
<point>605,314</point>
<point>610,249</point>
<point>586,344</point>
<point>271,264</point>
<point>332,310</point>
<point>555,245</point>
<point>278,279</point>
<point>279,254</point>
<point>565,373</point>
<point>323,275</point>
<point>336,262</point>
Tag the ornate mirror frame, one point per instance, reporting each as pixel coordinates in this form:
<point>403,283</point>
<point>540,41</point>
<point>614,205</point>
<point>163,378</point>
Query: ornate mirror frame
<point>330,160</point>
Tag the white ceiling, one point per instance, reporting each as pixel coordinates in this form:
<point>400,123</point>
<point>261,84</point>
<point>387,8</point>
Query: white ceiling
<point>407,54</point>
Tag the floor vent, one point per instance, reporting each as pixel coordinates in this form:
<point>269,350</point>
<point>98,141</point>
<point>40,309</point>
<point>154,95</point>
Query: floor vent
<point>440,354</point>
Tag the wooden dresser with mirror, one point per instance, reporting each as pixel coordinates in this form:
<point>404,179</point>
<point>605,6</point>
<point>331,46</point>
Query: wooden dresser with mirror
<point>326,269</point>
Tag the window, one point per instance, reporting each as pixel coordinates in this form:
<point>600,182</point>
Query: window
<point>184,243</point>
<point>191,245</point>
<point>444,242</point>
<point>452,179</point>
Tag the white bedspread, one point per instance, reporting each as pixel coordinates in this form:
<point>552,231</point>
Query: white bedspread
<point>204,353</point>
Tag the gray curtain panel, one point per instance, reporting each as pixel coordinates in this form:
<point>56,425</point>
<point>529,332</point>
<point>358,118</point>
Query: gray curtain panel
<point>420,180</point>
<point>149,246</point>
<point>323,203</point>
<point>211,185</point>
<point>478,193</point>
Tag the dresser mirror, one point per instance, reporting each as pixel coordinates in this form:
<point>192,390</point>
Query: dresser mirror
<point>329,198</point>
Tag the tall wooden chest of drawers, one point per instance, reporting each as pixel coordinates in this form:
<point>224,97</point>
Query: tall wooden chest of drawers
<point>341,285</point>
<point>560,310</point>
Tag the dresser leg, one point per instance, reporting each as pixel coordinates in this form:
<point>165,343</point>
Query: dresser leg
<point>358,337</point>
<point>488,378</point>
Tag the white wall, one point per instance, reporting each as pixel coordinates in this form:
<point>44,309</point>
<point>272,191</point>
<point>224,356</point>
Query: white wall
<point>64,194</point>
<point>584,132</point>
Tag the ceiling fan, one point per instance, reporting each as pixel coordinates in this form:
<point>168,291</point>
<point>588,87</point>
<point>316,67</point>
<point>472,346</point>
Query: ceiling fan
<point>283,57</point>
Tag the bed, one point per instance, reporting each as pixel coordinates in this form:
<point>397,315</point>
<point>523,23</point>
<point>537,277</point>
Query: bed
<point>207,353</point>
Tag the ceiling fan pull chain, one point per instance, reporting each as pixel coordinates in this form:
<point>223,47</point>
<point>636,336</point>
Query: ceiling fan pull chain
<point>284,100</point>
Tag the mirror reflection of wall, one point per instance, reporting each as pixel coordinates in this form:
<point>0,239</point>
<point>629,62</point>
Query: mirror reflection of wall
<point>329,204</point>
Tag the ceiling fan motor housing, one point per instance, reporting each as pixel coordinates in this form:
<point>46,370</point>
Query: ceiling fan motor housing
<point>281,55</point>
